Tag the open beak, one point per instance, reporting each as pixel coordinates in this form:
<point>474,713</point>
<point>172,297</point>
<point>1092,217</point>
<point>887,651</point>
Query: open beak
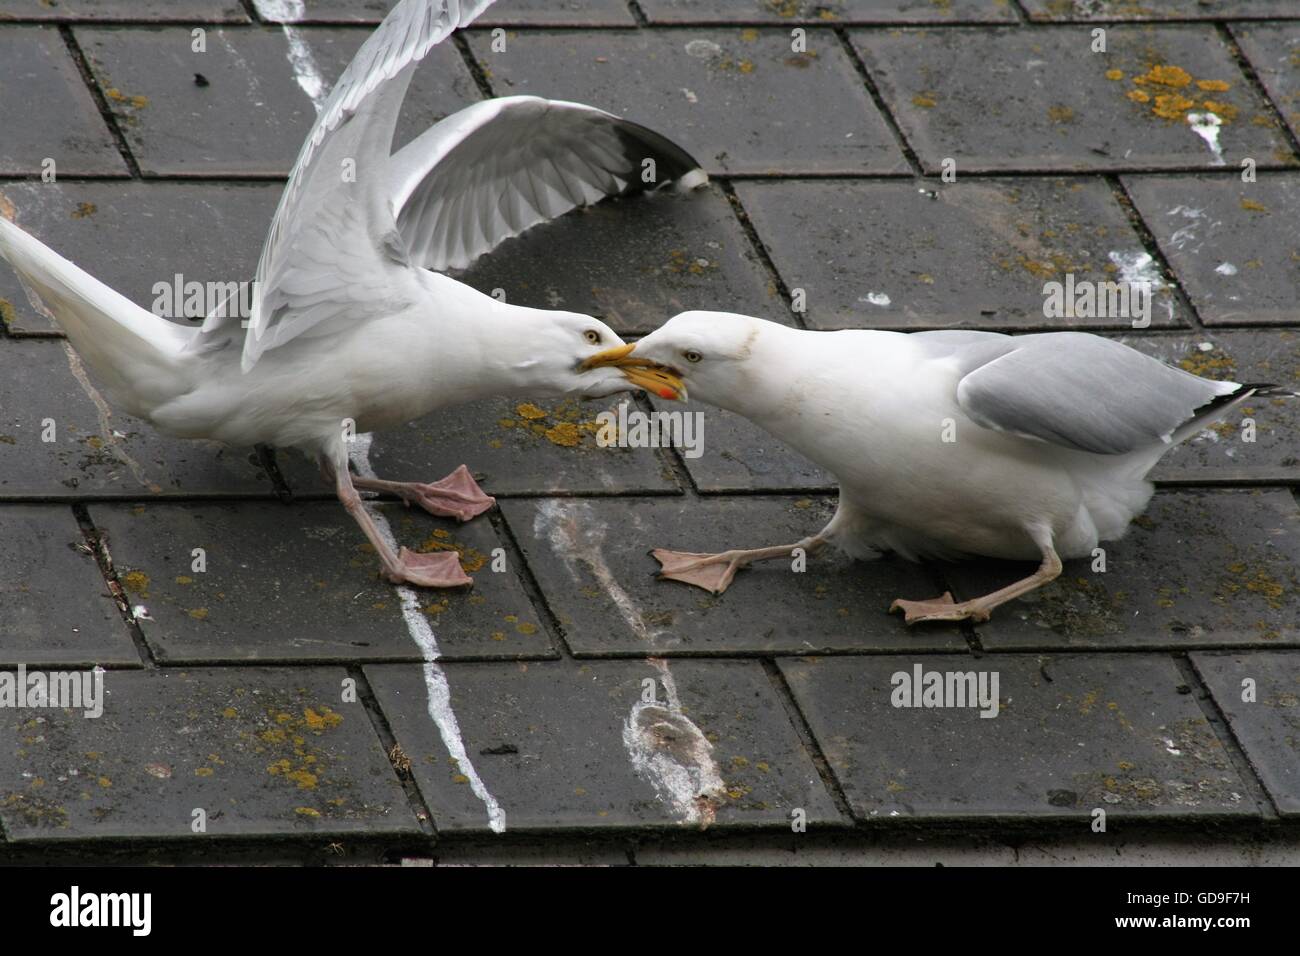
<point>659,379</point>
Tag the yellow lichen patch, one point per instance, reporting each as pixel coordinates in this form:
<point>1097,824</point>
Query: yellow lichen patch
<point>526,628</point>
<point>566,428</point>
<point>1171,92</point>
<point>1225,111</point>
<point>137,582</point>
<point>306,812</point>
<point>84,209</point>
<point>1172,106</point>
<point>230,713</point>
<point>305,779</point>
<point>7,313</point>
<point>1163,74</point>
<point>1114,74</point>
<point>564,434</point>
<point>749,35</point>
<point>198,613</point>
<point>320,721</point>
<point>471,559</point>
<point>184,579</point>
<point>925,100</point>
<point>1209,364</point>
<point>681,262</point>
<point>1254,579</point>
<point>1060,114</point>
<point>117,96</point>
<point>1251,205</point>
<point>203,771</point>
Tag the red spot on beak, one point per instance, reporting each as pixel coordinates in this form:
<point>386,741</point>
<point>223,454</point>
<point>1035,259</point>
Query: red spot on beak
<point>666,392</point>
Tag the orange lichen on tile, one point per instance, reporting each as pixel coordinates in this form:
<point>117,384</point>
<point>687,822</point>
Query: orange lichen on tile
<point>1164,74</point>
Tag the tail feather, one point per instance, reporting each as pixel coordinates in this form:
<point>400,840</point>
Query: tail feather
<point>134,353</point>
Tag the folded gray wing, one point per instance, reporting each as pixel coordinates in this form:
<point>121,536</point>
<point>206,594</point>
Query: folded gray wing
<point>1080,391</point>
<point>499,167</point>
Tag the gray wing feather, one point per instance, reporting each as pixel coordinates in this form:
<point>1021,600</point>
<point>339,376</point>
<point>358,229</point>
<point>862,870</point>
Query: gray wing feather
<point>334,245</point>
<point>500,167</point>
<point>1078,391</point>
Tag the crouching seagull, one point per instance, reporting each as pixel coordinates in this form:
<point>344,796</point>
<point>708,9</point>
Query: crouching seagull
<point>353,328</point>
<point>944,444</point>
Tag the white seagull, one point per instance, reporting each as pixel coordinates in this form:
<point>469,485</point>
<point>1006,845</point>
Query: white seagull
<point>944,444</point>
<point>351,330</point>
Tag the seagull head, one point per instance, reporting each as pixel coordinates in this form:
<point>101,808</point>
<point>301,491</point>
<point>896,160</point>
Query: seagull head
<point>703,353</point>
<point>614,367</point>
<point>584,356</point>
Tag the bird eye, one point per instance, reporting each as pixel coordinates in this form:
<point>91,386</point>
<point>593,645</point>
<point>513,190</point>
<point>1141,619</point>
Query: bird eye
<point>691,355</point>
<point>592,336</point>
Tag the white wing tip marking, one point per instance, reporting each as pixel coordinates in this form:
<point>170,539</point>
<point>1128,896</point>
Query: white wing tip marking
<point>692,180</point>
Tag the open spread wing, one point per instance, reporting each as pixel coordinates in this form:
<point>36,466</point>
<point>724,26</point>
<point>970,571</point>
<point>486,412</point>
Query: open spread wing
<point>499,167</point>
<point>1079,391</point>
<point>333,247</point>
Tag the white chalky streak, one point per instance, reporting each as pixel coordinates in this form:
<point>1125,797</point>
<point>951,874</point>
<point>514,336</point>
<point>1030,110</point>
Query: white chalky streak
<point>1206,126</point>
<point>435,679</point>
<point>305,70</point>
<point>685,777</point>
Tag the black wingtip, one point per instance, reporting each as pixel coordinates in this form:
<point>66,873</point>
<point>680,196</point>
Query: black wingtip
<point>671,161</point>
<point>1241,391</point>
<point>1268,389</point>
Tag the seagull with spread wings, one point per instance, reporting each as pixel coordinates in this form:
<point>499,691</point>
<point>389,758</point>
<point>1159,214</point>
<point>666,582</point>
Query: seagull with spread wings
<point>352,326</point>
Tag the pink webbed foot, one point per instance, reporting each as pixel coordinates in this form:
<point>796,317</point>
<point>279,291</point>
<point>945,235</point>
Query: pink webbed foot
<point>440,569</point>
<point>713,572</point>
<point>456,496</point>
<point>942,608</point>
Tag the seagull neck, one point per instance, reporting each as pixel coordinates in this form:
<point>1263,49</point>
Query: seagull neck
<point>514,346</point>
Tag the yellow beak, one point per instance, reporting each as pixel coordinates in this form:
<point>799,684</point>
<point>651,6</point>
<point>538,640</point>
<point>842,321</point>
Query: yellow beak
<point>641,373</point>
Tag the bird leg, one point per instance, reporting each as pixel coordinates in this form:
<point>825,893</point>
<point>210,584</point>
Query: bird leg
<point>943,608</point>
<point>714,572</point>
<point>456,496</point>
<point>438,570</point>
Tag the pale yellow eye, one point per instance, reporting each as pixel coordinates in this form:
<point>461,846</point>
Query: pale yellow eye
<point>692,356</point>
<point>592,336</point>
